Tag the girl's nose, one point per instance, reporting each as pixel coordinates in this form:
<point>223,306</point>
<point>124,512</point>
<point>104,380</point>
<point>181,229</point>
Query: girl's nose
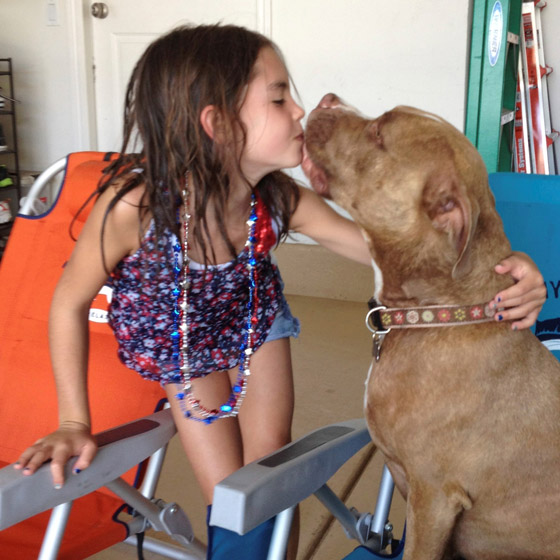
<point>298,112</point>
<point>329,101</point>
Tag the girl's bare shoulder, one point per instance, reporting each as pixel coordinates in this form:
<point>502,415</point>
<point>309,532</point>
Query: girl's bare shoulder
<point>126,205</point>
<point>125,215</point>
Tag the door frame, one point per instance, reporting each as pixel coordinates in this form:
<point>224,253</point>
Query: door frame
<point>80,74</point>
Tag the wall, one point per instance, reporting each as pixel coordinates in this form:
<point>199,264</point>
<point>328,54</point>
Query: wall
<point>397,36</point>
<point>378,54</point>
<point>42,61</point>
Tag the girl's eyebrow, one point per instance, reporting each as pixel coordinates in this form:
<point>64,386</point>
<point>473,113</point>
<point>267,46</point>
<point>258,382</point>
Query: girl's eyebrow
<point>281,85</point>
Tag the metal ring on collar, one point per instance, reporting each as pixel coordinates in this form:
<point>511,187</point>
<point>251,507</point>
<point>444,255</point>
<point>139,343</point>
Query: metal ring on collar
<point>369,323</point>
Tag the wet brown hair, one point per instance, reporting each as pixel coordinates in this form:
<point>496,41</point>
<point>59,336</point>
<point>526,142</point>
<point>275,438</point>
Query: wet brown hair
<point>178,75</point>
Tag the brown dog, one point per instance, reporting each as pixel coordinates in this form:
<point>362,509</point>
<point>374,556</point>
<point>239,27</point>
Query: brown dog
<point>467,416</point>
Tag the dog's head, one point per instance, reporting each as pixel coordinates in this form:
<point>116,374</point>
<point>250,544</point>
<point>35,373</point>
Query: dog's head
<point>413,182</point>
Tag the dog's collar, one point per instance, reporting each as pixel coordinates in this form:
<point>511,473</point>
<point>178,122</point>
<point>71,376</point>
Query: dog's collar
<point>380,319</point>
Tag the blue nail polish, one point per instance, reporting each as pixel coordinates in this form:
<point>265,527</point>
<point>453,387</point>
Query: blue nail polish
<point>499,299</point>
<point>77,471</point>
<point>500,317</point>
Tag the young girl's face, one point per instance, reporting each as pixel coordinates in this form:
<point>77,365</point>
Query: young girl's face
<point>272,119</point>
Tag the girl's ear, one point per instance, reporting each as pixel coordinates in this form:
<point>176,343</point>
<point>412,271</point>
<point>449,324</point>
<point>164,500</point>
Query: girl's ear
<point>210,119</point>
<point>207,116</point>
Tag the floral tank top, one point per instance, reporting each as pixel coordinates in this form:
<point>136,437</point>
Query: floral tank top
<point>142,305</point>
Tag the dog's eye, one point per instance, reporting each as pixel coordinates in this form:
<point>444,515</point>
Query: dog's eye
<point>447,206</point>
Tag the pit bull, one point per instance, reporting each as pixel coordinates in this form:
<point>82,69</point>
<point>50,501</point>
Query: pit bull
<point>466,414</point>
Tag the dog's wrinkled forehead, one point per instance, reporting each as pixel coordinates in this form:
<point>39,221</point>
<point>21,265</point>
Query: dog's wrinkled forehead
<point>344,107</point>
<point>341,117</point>
<point>419,112</point>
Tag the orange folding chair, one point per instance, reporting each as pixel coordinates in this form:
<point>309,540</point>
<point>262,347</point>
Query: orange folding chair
<point>38,248</point>
<point>128,430</point>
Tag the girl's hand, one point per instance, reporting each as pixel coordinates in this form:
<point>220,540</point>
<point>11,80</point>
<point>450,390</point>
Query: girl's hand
<point>71,439</point>
<point>523,300</point>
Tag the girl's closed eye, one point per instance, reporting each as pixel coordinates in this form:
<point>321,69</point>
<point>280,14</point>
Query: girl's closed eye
<point>279,101</point>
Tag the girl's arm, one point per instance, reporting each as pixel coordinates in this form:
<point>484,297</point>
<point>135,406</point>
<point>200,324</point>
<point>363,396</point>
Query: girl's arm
<point>521,302</point>
<point>83,277</point>
<point>316,219</point>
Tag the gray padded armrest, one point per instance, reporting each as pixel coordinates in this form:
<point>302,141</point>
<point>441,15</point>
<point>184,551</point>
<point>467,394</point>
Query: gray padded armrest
<point>284,478</point>
<point>120,449</point>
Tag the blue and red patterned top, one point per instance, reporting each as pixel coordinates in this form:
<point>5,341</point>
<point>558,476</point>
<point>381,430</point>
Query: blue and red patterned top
<point>142,305</point>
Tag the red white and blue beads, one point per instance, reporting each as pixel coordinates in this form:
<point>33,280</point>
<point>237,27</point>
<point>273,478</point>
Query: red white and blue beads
<point>192,407</point>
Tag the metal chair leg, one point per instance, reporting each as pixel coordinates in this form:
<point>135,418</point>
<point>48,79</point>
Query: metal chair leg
<point>281,534</point>
<point>55,532</point>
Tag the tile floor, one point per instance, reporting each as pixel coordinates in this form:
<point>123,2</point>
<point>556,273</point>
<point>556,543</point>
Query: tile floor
<point>331,359</point>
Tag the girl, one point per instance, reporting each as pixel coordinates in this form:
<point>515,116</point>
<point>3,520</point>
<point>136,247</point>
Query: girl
<point>185,228</point>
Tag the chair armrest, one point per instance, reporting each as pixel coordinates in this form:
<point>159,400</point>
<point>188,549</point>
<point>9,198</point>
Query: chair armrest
<point>284,478</point>
<point>120,449</point>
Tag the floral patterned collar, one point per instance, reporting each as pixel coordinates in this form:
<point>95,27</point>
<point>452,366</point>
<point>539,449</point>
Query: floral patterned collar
<point>380,319</point>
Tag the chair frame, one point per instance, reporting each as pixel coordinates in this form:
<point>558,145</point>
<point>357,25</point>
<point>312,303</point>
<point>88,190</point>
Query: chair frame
<point>120,449</point>
<point>242,501</point>
<point>275,484</point>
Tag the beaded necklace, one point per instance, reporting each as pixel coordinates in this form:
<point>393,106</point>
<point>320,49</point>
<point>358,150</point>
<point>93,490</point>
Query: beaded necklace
<point>190,406</point>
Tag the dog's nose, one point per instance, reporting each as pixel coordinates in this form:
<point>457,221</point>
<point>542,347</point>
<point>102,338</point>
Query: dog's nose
<point>329,101</point>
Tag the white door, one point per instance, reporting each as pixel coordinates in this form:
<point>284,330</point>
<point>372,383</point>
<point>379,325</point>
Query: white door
<point>118,40</point>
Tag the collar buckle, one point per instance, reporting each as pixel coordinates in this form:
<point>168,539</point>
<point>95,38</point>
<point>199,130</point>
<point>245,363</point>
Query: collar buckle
<point>375,326</point>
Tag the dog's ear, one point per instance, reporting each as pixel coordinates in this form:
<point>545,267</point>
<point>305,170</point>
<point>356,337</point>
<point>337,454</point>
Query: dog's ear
<point>450,210</point>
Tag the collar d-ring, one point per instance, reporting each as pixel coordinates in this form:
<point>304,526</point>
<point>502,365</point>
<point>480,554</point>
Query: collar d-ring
<point>373,322</point>
<point>375,326</point>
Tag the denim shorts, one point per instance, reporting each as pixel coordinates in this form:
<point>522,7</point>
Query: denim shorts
<point>284,324</point>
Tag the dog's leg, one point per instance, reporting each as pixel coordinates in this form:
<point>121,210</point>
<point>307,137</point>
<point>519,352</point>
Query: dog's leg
<point>431,516</point>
